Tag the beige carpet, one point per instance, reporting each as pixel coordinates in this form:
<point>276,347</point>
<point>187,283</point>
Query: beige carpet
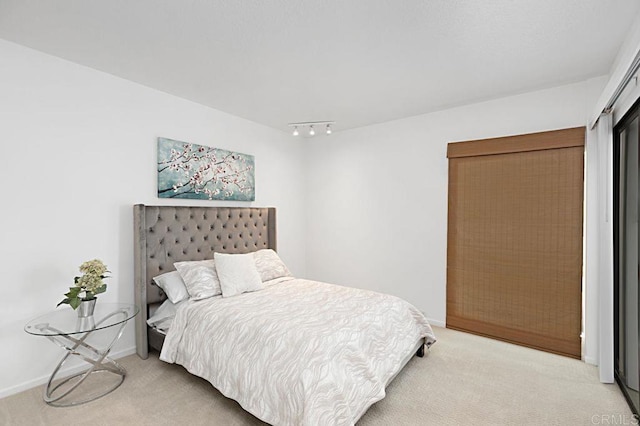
<point>465,379</point>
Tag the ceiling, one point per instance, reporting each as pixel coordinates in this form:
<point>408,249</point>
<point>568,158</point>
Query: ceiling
<point>357,62</point>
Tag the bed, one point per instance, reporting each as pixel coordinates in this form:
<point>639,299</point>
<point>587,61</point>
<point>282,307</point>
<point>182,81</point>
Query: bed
<point>296,352</point>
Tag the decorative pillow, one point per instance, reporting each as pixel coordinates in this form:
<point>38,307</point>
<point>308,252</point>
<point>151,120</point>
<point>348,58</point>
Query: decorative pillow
<point>173,286</point>
<point>269,265</point>
<point>237,273</point>
<point>200,278</point>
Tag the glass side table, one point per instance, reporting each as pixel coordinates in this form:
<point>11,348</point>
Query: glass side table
<point>65,328</point>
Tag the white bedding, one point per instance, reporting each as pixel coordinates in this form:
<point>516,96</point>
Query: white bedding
<point>298,352</point>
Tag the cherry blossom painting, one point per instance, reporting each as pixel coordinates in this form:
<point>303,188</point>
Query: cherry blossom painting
<point>187,170</point>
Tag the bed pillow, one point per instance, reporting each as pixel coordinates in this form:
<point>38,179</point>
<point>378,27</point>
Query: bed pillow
<point>237,273</point>
<point>200,278</point>
<point>163,316</point>
<point>173,286</point>
<point>269,265</point>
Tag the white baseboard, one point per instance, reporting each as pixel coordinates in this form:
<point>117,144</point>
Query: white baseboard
<point>65,372</point>
<point>437,323</point>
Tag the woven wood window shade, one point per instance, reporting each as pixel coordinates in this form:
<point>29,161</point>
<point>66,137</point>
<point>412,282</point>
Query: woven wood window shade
<point>514,260</point>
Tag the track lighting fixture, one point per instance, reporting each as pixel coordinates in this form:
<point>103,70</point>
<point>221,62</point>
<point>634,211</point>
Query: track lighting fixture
<point>311,124</point>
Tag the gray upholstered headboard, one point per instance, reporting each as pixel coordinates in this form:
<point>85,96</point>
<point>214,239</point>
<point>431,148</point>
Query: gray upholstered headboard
<point>167,234</point>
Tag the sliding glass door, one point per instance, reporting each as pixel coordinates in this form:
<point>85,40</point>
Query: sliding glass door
<point>626,201</point>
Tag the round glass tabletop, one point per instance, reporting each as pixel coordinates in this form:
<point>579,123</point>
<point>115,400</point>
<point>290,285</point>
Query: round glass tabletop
<point>65,321</point>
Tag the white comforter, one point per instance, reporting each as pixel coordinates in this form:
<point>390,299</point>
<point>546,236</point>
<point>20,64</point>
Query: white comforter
<point>298,352</point>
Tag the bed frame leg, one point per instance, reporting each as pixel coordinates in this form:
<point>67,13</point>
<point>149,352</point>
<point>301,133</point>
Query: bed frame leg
<point>420,352</point>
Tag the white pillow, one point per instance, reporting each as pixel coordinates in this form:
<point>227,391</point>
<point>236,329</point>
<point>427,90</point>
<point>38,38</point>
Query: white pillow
<point>173,286</point>
<point>237,273</point>
<point>163,316</point>
<point>200,278</point>
<point>269,265</point>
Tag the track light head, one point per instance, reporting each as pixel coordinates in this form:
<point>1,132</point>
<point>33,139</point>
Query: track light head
<point>301,126</point>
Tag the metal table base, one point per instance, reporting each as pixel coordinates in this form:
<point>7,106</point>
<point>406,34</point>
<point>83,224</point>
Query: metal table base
<point>77,347</point>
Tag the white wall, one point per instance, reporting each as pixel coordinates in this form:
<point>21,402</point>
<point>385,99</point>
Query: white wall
<point>78,150</point>
<point>377,195</point>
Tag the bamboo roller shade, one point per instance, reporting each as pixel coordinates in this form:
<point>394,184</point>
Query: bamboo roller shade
<point>514,255</point>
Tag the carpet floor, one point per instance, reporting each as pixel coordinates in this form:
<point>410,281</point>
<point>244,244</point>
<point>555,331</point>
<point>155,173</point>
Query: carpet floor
<point>464,379</point>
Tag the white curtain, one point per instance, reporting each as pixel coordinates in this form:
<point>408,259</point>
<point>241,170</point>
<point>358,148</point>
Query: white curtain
<point>599,242</point>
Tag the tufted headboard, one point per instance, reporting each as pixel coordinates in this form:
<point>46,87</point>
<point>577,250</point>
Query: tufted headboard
<point>167,234</point>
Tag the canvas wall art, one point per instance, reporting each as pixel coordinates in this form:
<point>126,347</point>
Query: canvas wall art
<point>187,170</point>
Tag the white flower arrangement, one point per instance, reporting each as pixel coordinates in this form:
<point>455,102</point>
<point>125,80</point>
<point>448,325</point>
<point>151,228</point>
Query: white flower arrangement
<point>90,283</point>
